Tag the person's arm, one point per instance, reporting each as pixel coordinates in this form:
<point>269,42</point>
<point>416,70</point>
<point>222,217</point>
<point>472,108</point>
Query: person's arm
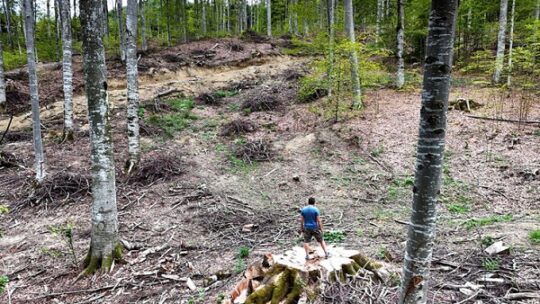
<point>319,222</point>
<point>301,223</point>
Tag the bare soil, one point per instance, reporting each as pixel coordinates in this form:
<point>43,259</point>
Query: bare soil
<point>189,219</point>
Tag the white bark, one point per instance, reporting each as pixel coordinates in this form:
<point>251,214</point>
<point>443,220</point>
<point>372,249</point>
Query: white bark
<point>430,150</point>
<point>511,45</point>
<point>39,164</point>
<point>269,18</point>
<point>400,77</point>
<point>2,80</point>
<point>331,34</point>
<point>66,69</point>
<point>501,40</point>
<point>7,9</point>
<point>132,85</point>
<point>537,10</point>
<point>355,77</point>
<point>379,17</point>
<point>121,35</point>
<point>144,43</point>
<point>203,17</point>
<point>105,18</point>
<point>104,233</point>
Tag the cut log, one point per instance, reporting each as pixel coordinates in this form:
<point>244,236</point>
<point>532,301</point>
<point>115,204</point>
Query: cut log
<point>289,279</point>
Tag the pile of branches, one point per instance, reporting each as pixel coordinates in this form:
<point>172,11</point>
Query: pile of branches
<point>237,127</point>
<point>59,186</point>
<point>157,167</point>
<point>254,151</point>
<point>10,160</point>
<point>261,101</point>
<point>361,289</point>
<point>17,136</point>
<point>252,36</point>
<point>208,99</point>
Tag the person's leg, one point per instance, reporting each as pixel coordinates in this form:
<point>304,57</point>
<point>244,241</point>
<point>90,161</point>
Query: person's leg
<point>307,238</point>
<point>323,246</point>
<point>321,241</point>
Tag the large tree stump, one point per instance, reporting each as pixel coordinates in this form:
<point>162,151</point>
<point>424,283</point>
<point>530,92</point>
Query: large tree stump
<point>288,278</point>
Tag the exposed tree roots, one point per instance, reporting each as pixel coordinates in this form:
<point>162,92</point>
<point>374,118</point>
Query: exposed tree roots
<point>93,263</point>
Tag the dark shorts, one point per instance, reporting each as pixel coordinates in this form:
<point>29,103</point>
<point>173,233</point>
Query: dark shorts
<point>316,233</point>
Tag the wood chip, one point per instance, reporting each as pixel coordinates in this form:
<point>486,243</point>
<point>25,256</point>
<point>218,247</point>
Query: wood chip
<point>496,248</point>
<point>191,285</point>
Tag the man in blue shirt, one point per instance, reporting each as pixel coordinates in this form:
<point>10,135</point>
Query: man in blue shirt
<point>311,226</point>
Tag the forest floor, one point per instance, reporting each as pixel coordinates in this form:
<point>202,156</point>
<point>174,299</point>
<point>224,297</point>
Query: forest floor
<point>233,169</point>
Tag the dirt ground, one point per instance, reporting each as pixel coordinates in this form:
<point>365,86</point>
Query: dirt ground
<point>187,219</point>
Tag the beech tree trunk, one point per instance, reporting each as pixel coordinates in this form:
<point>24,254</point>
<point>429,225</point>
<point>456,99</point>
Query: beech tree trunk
<point>48,18</point>
<point>104,244</point>
<point>144,43</point>
<point>379,18</point>
<point>430,148</point>
<point>537,10</point>
<point>355,78</point>
<point>7,12</point>
<point>39,164</point>
<point>132,86</point>
<point>66,69</point>
<point>168,19</point>
<point>203,17</point>
<point>269,18</point>
<point>105,18</point>
<point>121,35</point>
<point>2,81</point>
<point>400,77</point>
<point>511,44</point>
<point>331,38</point>
<point>501,41</point>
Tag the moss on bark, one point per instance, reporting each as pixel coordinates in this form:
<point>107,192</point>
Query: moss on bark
<point>93,263</point>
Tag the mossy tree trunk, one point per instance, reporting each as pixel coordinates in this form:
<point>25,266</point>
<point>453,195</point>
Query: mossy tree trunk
<point>104,244</point>
<point>430,148</point>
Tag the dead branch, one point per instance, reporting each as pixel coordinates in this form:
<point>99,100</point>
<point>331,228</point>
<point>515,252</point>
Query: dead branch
<point>505,120</point>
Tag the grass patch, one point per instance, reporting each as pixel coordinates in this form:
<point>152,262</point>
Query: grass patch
<point>534,236</point>
<point>225,93</point>
<point>489,220</point>
<point>243,252</point>
<point>490,264</point>
<point>457,208</point>
<point>4,209</point>
<point>4,280</point>
<point>177,120</point>
<point>334,236</point>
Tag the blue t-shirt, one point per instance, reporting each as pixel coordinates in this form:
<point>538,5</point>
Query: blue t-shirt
<point>310,213</point>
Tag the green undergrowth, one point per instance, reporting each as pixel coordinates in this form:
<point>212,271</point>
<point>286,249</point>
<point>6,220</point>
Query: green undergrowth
<point>534,236</point>
<point>488,220</point>
<point>177,120</point>
<point>334,236</point>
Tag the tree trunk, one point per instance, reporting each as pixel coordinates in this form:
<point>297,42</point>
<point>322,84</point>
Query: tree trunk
<point>121,36</point>
<point>144,43</point>
<point>66,69</point>
<point>104,244</point>
<point>355,77</point>
<point>537,10</point>
<point>400,77</point>
<point>132,87</point>
<point>185,21</point>
<point>2,81</point>
<point>57,28</point>
<point>501,40</point>
<point>105,18</point>
<point>7,12</point>
<point>75,9</point>
<point>168,19</point>
<point>511,44</point>
<point>33,84</point>
<point>378,21</point>
<point>48,19</point>
<point>430,148</point>
<point>331,38</point>
<point>203,17</point>
<point>269,18</point>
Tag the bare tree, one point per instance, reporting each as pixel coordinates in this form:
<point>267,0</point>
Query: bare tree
<point>501,41</point>
<point>33,84</point>
<point>355,78</point>
<point>511,44</point>
<point>269,18</point>
<point>66,69</point>
<point>132,86</point>
<point>2,80</point>
<point>144,43</point>
<point>430,148</point>
<point>104,244</point>
<point>400,77</point>
<point>121,35</point>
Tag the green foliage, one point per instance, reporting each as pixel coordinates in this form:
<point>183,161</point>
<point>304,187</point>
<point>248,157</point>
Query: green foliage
<point>378,150</point>
<point>490,264</point>
<point>65,233</point>
<point>534,236</point>
<point>382,253</point>
<point>4,280</point>
<point>487,241</point>
<point>480,62</point>
<point>140,112</point>
<point>176,121</point>
<point>220,298</point>
<point>311,88</point>
<point>239,265</point>
<point>243,252</point>
<point>334,236</point>
<point>13,60</point>
<point>458,208</point>
<point>225,93</point>
<point>4,208</point>
<point>484,221</point>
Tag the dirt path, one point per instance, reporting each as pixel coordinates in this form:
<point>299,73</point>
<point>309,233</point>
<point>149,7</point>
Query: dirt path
<point>190,81</point>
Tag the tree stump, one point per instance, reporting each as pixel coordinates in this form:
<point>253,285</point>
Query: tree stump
<point>288,278</point>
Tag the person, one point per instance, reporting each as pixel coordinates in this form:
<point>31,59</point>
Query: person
<point>311,226</point>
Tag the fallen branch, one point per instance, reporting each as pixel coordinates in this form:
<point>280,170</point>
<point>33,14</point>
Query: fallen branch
<point>522,295</point>
<point>54,294</point>
<point>505,120</point>
<point>168,92</point>
<point>7,128</point>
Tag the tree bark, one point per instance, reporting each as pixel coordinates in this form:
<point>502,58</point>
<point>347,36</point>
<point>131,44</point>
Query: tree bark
<point>7,12</point>
<point>75,9</point>
<point>355,77</point>
<point>511,44</point>
<point>203,17</point>
<point>48,19</point>
<point>501,40</point>
<point>430,148</point>
<point>144,43</point>
<point>104,244</point>
<point>331,40</point>
<point>121,35</point>
<point>537,10</point>
<point>2,81</point>
<point>33,84</point>
<point>168,19</point>
<point>132,86</point>
<point>105,18</point>
<point>378,21</point>
<point>184,21</point>
<point>400,77</point>
<point>269,18</point>
<point>66,69</point>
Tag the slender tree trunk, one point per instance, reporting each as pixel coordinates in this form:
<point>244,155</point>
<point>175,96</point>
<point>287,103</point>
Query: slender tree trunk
<point>203,17</point>
<point>229,16</point>
<point>75,9</point>
<point>185,21</point>
<point>511,44</point>
<point>269,18</point>
<point>132,86</point>
<point>379,17</point>
<point>57,28</point>
<point>331,38</point>
<point>355,77</point>
<point>537,10</point>
<point>7,12</point>
<point>430,148</point>
<point>34,96</point>
<point>48,19</point>
<point>2,81</point>
<point>66,69</point>
<point>168,19</point>
<point>400,78</point>
<point>501,40</point>
<point>105,18</point>
<point>104,244</point>
<point>468,32</point>
<point>121,35</point>
<point>144,43</point>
